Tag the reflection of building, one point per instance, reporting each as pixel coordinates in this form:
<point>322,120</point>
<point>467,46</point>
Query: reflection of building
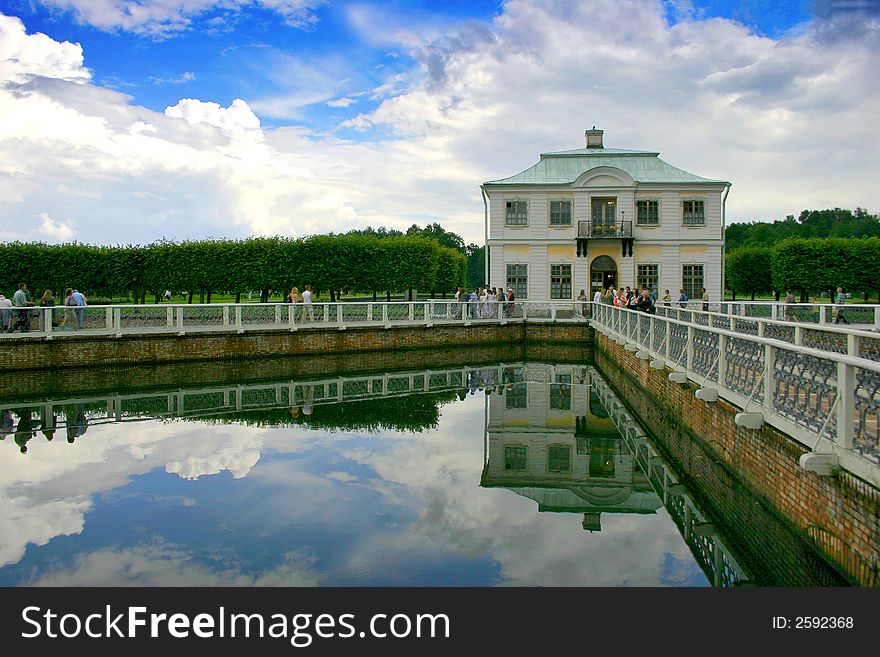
<point>550,439</point>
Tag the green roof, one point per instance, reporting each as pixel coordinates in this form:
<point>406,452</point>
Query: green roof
<point>564,167</point>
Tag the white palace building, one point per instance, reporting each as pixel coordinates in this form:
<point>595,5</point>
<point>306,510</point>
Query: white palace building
<point>596,217</point>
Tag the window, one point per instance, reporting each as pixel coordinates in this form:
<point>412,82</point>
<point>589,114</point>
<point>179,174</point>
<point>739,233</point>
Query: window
<point>518,396</point>
<point>603,211</point>
<point>693,213</point>
<point>517,213</point>
<point>602,457</point>
<point>559,458</point>
<point>560,281</point>
<point>560,393</point>
<point>518,280</point>
<point>516,458</point>
<point>647,213</point>
<point>560,213</point>
<point>648,276</point>
<point>692,281</point>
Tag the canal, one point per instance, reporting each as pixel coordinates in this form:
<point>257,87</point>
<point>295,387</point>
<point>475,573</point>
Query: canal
<point>512,470</point>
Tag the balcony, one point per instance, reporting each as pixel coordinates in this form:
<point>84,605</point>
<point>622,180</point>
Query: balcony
<point>589,230</point>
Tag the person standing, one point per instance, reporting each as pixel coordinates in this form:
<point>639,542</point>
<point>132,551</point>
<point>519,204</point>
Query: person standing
<point>308,313</point>
<point>79,308</point>
<point>23,315</point>
<point>5,314</point>
<point>582,303</point>
<point>46,301</point>
<point>666,298</point>
<point>705,300</point>
<point>682,298</point>
<point>789,301</point>
<point>841,302</point>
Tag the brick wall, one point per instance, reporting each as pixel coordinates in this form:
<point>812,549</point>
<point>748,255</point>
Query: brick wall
<point>82,351</point>
<point>752,480</point>
<point>28,385</point>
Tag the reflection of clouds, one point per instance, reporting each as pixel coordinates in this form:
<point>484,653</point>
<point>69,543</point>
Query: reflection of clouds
<point>232,458</point>
<point>531,548</point>
<point>165,565</point>
<point>47,493</point>
<point>395,510</point>
<point>23,521</point>
<point>343,477</point>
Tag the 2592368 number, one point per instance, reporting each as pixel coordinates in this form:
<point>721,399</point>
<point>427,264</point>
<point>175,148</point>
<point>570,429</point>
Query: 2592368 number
<point>823,622</point>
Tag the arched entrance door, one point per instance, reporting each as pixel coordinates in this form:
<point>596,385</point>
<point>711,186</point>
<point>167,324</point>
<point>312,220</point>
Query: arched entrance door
<point>603,274</point>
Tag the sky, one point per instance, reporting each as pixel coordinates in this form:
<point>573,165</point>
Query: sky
<point>128,121</point>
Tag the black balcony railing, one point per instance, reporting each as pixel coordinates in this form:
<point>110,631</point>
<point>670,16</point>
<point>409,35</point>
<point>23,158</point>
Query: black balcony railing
<point>591,230</point>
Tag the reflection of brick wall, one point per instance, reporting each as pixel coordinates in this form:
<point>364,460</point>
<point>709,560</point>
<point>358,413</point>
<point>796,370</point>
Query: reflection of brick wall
<point>764,503</point>
<point>249,357</point>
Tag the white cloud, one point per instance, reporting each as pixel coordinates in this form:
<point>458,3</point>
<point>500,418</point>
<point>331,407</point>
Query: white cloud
<point>341,102</point>
<point>161,18</point>
<point>784,119</point>
<point>54,230</point>
<point>25,55</point>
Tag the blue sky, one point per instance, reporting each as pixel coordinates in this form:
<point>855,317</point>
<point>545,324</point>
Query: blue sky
<point>197,118</point>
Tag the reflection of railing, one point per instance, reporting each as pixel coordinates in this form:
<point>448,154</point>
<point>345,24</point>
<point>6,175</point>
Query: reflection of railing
<point>716,560</point>
<point>592,230</point>
<point>81,412</point>
<point>819,385</point>
<point>116,321</point>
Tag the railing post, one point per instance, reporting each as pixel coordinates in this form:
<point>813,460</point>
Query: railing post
<point>339,314</point>
<point>180,318</point>
<point>225,315</point>
<point>385,314</point>
<point>823,316</point>
<point>722,359</point>
<point>769,377</point>
<point>552,312</point>
<point>108,318</point>
<point>169,316</point>
<point>117,319</point>
<point>326,312</point>
<point>668,347</point>
<point>650,333</point>
<point>277,314</point>
<point>238,318</point>
<point>690,349</point>
<point>846,385</point>
<point>876,311</point>
<point>411,308</point>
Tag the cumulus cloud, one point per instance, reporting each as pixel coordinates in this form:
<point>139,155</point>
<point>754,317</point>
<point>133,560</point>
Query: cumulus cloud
<point>785,120</point>
<point>54,230</point>
<point>161,18</point>
<point>23,55</point>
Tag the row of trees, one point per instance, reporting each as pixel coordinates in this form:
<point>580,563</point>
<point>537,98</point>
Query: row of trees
<point>834,222</point>
<point>334,263</point>
<point>806,267</point>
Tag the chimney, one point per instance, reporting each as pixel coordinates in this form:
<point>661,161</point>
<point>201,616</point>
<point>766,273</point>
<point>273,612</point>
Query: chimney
<point>594,138</point>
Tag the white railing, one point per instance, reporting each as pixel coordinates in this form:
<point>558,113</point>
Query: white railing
<point>116,321</point>
<point>855,314</point>
<point>819,385</point>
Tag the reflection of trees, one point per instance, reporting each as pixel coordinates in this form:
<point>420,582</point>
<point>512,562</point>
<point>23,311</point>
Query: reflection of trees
<point>412,413</point>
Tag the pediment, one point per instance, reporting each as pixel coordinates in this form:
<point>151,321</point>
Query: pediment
<point>604,177</point>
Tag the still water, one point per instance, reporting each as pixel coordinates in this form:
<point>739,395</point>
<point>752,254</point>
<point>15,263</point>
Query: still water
<point>495,476</point>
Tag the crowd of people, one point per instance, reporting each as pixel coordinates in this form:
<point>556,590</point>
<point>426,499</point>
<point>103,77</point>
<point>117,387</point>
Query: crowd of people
<point>19,312</point>
<point>483,302</point>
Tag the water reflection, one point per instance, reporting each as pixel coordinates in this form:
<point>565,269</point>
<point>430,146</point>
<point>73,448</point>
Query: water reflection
<point>555,443</point>
<point>455,476</point>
